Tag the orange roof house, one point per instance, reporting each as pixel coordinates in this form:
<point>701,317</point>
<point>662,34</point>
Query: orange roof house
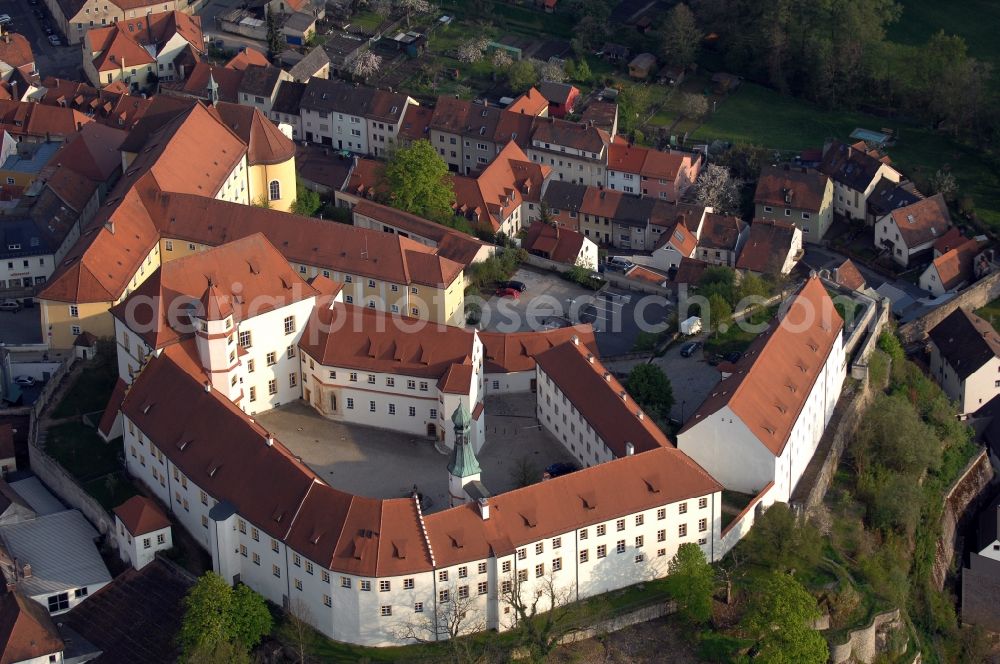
<point>954,268</point>
<point>490,199</point>
<point>15,54</point>
<point>755,427</point>
<point>530,103</point>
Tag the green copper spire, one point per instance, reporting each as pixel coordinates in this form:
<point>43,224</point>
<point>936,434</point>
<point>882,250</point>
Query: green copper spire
<point>463,458</point>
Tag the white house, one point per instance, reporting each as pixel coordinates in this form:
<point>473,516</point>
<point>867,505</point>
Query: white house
<point>511,357</point>
<point>359,119</point>
<point>955,268</point>
<point>27,633</point>
<point>762,423</point>
<point>965,359</point>
<point>856,171</point>
<point>910,231</point>
<point>141,529</point>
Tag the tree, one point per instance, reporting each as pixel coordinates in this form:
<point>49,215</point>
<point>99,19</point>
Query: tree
<point>681,37</point>
<point>634,103</point>
<point>893,435</point>
<point>414,7</point>
<point>472,50</point>
<point>542,614</point>
<point>307,202</point>
<point>943,182</point>
<point>582,73</point>
<point>365,65</point>
<point>778,541</point>
<point>299,627</point>
<point>550,71</point>
<point>275,40</point>
<point>452,618</point>
<point>502,60</point>
<point>521,76</point>
<point>693,105</point>
<point>719,312</point>
<point>780,618</point>
<point>716,188</point>
<point>691,583</point>
<point>216,615</point>
<point>419,182</point>
<point>219,651</point>
<point>651,388</point>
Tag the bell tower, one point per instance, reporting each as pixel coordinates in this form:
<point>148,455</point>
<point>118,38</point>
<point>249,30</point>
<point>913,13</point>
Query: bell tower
<point>464,466</point>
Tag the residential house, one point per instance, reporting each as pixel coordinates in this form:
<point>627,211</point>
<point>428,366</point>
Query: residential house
<point>532,102</point>
<point>855,170</point>
<point>909,232</point>
<point>416,125</point>
<point>37,123</point>
<point>143,50</point>
<point>286,105</point>
<point>358,119</point>
<point>314,64</point>
<point>299,28</point>
<point>663,175</point>
<point>802,197</point>
<point>468,135</point>
<point>680,243</point>
<point>847,275</point>
<point>955,268</point>
<point>564,201</point>
<point>245,57</point>
<point>642,66</point>
<point>208,83</point>
<point>110,107</point>
<point>141,529</point>
<point>772,247</point>
<point>505,196</point>
<point>16,55</point>
<point>75,17</point>
<point>323,172</point>
<point>761,425</point>
<point>574,151</point>
<point>342,50</point>
<point>561,97</point>
<point>722,238</point>
<point>965,359</point>
<point>981,579</point>
<point>56,577</point>
<point>889,195</point>
<point>258,87</point>
<point>23,164</point>
<point>560,245</point>
<point>603,115</point>
<point>27,633</point>
<point>510,364</point>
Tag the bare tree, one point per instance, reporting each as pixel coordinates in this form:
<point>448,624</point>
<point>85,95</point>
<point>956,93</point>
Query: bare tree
<point>472,50</point>
<point>728,571</point>
<point>501,60</point>
<point>693,105</point>
<point>717,188</point>
<point>458,615</point>
<point>382,7</point>
<point>414,7</point>
<point>543,612</point>
<point>299,618</point>
<point>366,64</point>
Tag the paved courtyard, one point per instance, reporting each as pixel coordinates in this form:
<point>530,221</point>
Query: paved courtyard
<point>692,379</point>
<point>386,464</point>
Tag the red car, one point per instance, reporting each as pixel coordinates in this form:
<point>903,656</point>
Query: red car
<point>508,292</point>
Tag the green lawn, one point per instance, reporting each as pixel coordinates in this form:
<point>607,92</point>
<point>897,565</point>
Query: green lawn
<point>81,451</point>
<point>991,312</point>
<point>760,116</point>
<point>91,391</point>
<point>976,21</point>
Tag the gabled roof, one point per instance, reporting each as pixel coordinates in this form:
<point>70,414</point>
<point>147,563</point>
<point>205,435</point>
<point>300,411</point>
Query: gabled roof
<point>767,246</point>
<point>265,143</point>
<point>110,106</point>
<point>951,239</point>
<point>965,341</point>
<point>451,244</point>
<point>955,266</point>
<point>557,244</point>
<point>516,351</point>
<point>923,221</point>
<point>889,195</point>
<point>117,49</point>
<point>26,630</point>
<point>574,135</point>
<point>259,80</point>
<point>500,188</point>
<point>241,275</point>
<point>289,97</point>
<point>682,239</point>
<point>307,67</point>
<point>141,516</point>
<point>802,189</point>
<point>600,399</point>
<point>531,102</point>
<point>848,275</point>
<point>23,118</point>
<point>15,50</point>
<point>416,123</point>
<point>720,231</point>
<point>466,118</point>
<point>197,82</point>
<point>246,57</point>
<point>556,93</point>
<point>771,383</point>
<point>854,166</point>
<point>93,152</point>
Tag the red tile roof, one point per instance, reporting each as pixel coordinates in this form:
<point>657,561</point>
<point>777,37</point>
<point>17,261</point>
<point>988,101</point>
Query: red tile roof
<point>247,56</point>
<point>776,375</point>
<point>646,274</point>
<point>15,50</point>
<point>955,267</point>
<point>26,630</point>
<point>923,221</point>
<point>948,241</point>
<point>111,410</point>
<point>265,143</point>
<point>600,399</point>
<point>626,158</point>
<point>516,351</point>
<point>141,516</point>
<point>767,246</point>
<point>802,189</point>
<point>571,134</point>
<point>530,103</point>
<point>416,123</point>
<point>451,244</point>
<point>848,275</point>
<point>557,244</point>
<point>493,195</point>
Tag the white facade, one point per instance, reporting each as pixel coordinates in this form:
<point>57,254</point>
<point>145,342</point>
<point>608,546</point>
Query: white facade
<point>852,203</point>
<point>341,130</point>
<point>567,424</point>
<point>972,392</point>
<point>236,188</point>
<point>571,164</point>
<point>733,454</point>
<point>141,550</point>
<point>887,236</point>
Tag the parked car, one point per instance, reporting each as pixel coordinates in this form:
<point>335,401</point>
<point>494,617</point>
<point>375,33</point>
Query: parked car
<point>26,381</point>
<point>690,348</point>
<point>508,292</point>
<point>620,264</point>
<point>732,356</point>
<point>12,306</point>
<point>54,40</point>
<point>557,469</point>
<point>516,285</point>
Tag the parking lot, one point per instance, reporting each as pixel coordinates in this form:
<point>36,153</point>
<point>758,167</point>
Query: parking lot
<point>550,301</point>
<point>692,379</point>
<point>60,61</point>
<point>386,464</point>
<point>24,327</point>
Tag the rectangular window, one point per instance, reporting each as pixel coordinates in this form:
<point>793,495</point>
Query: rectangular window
<point>272,387</point>
<point>327,600</point>
<point>463,592</point>
<point>702,503</point>
<point>661,535</point>
<point>350,403</point>
<point>418,607</point>
<point>385,610</point>
<point>443,596</point>
<point>584,555</point>
<point>384,586</point>
<point>482,588</point>
<point>522,553</point>
<point>661,514</point>
<point>345,582</point>
<point>272,358</point>
<point>639,542</point>
<point>539,570</point>
<point>250,366</point>
<point>443,575</point>
<point>505,567</point>
<point>413,411</point>
<point>366,586</point>
<point>481,568</point>
<point>682,508</point>
<point>702,525</point>
<point>682,530</point>
<point>556,542</point>
<point>602,551</point>
<point>289,324</point>
<point>407,584</point>
<point>293,379</point>
<point>290,352</point>
<point>463,572</point>
<point>256,558</point>
<point>601,529</point>
<point>522,575</point>
<point>556,564</point>
<point>58,602</point>
<point>620,525</point>
<point>620,546</point>
<point>583,534</point>
<point>539,548</point>
<point>245,339</point>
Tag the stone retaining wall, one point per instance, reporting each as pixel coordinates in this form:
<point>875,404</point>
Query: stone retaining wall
<point>979,294</point>
<point>863,645</point>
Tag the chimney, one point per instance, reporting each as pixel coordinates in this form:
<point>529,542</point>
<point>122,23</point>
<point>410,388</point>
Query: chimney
<point>269,440</point>
<point>576,340</point>
<point>629,449</point>
<point>208,386</point>
<point>624,395</point>
<point>110,225</point>
<point>850,151</point>
<point>26,571</point>
<point>590,357</point>
<point>484,509</point>
<point>640,415</point>
<point>607,377</point>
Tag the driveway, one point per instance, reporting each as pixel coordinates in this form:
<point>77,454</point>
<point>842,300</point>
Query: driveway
<point>550,301</point>
<point>692,379</point>
<point>60,61</point>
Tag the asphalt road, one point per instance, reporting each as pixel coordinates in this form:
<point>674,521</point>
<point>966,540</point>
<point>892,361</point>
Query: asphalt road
<point>60,61</point>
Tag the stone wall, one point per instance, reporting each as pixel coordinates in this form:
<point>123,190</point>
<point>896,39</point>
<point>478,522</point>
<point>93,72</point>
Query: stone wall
<point>864,644</point>
<point>969,485</point>
<point>973,297</point>
<point>614,279</point>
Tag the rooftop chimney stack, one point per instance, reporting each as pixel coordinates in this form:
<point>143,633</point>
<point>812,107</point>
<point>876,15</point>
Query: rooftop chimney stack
<point>629,449</point>
<point>269,440</point>
<point>484,509</point>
